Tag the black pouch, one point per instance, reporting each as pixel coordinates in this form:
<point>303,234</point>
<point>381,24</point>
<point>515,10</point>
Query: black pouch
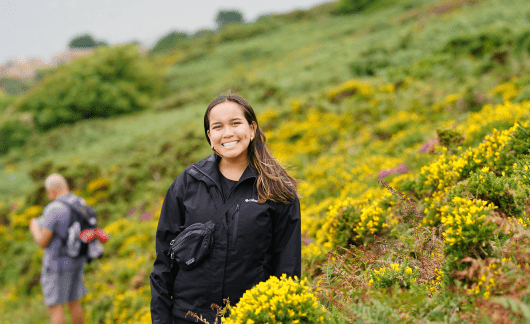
<point>192,245</point>
<point>195,242</point>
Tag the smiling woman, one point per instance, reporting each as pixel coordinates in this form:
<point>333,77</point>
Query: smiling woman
<point>230,135</point>
<point>258,237</point>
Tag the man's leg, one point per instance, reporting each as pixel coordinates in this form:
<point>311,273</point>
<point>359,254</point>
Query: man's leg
<point>57,314</point>
<point>76,311</point>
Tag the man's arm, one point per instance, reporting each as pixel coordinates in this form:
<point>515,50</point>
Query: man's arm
<point>41,235</point>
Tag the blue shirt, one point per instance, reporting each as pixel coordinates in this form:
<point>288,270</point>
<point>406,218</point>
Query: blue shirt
<point>56,218</point>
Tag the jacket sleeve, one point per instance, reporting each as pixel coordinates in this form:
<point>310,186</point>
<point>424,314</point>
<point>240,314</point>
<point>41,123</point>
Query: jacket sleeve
<point>164,273</point>
<point>287,240</point>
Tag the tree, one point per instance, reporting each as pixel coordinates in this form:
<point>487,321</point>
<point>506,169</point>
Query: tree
<point>225,17</point>
<point>172,39</point>
<point>85,41</point>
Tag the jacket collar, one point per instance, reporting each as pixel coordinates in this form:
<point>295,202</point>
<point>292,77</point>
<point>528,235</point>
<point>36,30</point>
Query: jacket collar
<point>207,170</point>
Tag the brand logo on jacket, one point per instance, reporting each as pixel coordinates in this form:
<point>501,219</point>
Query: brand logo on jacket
<point>251,200</point>
<point>190,261</point>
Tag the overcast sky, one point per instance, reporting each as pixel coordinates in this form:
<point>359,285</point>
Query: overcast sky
<point>42,28</point>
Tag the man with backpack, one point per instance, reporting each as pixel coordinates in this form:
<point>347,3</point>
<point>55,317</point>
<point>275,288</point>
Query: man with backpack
<point>62,274</point>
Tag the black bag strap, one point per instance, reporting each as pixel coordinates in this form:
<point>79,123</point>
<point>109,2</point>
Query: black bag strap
<point>229,203</point>
<point>73,216</point>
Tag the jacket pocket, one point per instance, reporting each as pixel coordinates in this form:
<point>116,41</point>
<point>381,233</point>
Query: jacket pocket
<point>191,287</point>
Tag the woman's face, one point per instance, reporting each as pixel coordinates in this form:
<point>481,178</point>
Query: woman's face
<point>229,131</point>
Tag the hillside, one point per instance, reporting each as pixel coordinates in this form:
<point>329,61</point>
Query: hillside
<point>406,123</point>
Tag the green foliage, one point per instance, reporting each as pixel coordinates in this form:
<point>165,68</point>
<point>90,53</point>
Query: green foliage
<point>225,17</point>
<point>346,7</point>
<point>85,41</point>
<point>522,42</point>
<point>170,40</point>
<point>237,32</point>
<point>5,100</point>
<point>371,60</point>
<point>111,81</point>
<point>14,131</point>
<point>478,44</point>
<point>450,139</point>
<point>508,193</point>
<point>396,274</point>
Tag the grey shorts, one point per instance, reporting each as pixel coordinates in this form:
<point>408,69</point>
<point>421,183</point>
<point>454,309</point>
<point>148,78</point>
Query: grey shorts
<point>61,287</point>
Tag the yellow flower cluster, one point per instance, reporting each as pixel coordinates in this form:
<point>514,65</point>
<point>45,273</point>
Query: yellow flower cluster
<point>399,120</point>
<point>22,220</point>
<point>507,90</point>
<point>98,184</point>
<point>448,169</point>
<point>351,87</point>
<point>507,113</point>
<point>283,300</point>
<point>366,215</point>
<point>124,307</point>
<point>448,101</point>
<point>465,220</point>
<point>436,283</point>
<point>399,273</point>
<point>372,220</point>
<point>483,287</point>
<point>309,136</point>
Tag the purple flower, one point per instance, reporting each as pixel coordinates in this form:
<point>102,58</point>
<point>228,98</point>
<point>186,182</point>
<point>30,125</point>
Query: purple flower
<point>428,145</point>
<point>397,170</point>
<point>145,216</point>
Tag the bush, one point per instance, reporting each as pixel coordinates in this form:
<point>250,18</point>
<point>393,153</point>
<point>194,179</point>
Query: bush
<point>234,32</point>
<point>5,100</point>
<point>505,192</point>
<point>14,132</point>
<point>478,44</point>
<point>111,81</point>
<point>401,274</point>
<point>276,300</point>
<point>170,40</point>
<point>346,7</point>
<point>522,42</point>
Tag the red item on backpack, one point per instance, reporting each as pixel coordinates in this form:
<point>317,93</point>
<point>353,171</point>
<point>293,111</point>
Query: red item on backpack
<point>101,235</point>
<point>87,235</point>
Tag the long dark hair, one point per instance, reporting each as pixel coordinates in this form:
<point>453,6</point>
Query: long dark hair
<point>273,181</point>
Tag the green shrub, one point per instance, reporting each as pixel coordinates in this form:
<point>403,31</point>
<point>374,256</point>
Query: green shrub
<point>507,193</point>
<point>282,300</point>
<point>172,39</point>
<point>14,132</point>
<point>522,42</point>
<point>111,81</point>
<point>233,32</point>
<point>478,44</point>
<point>370,65</point>
<point>346,7</point>
<point>5,100</point>
<point>395,273</point>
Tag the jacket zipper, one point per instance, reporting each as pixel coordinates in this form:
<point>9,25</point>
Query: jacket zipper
<point>236,221</point>
<point>236,217</point>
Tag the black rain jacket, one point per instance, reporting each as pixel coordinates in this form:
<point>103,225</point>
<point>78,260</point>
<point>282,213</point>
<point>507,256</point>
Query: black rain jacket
<point>253,242</point>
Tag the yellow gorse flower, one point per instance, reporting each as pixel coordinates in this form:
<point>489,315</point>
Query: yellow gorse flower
<point>277,300</point>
